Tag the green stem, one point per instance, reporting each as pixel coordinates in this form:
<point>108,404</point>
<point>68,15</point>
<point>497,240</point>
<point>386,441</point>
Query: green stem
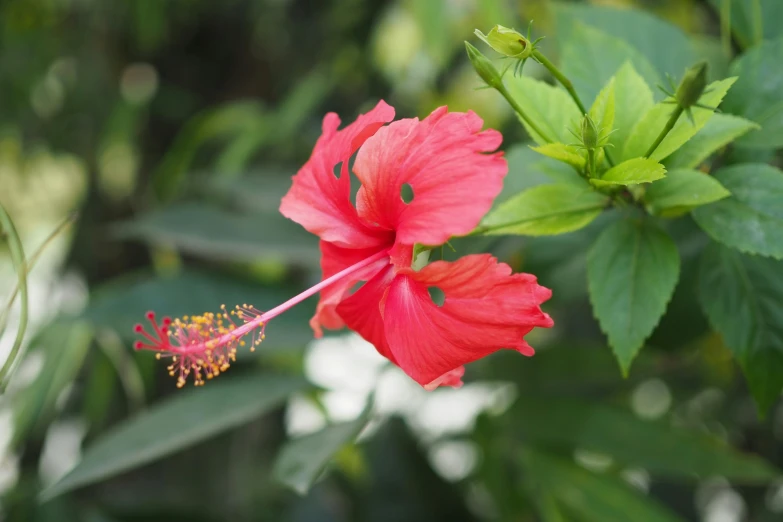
<point>725,26</point>
<point>511,101</point>
<point>758,25</point>
<point>20,265</point>
<point>560,77</point>
<point>669,126</point>
<point>591,173</point>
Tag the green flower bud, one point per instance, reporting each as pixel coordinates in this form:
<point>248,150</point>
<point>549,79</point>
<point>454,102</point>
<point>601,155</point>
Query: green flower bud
<point>484,67</point>
<point>507,42</point>
<point>590,134</point>
<point>692,85</point>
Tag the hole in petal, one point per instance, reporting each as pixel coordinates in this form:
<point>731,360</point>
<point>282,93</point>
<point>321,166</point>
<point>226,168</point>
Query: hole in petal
<point>437,295</point>
<point>355,287</point>
<point>336,170</point>
<point>406,193</point>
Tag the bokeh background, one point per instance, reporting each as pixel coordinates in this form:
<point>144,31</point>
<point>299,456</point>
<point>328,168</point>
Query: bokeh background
<point>157,137</point>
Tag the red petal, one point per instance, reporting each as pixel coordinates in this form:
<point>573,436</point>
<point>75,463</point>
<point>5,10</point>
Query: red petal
<point>318,200</point>
<point>486,308</point>
<point>363,313</point>
<point>333,260</point>
<point>442,159</point>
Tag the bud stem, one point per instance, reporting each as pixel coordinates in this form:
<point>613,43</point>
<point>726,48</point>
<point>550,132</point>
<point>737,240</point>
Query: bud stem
<point>560,77</point>
<point>668,127</point>
<point>514,105</point>
<point>591,166</point>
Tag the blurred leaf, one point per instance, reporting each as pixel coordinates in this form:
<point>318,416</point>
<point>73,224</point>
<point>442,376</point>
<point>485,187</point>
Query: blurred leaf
<point>752,20</point>
<point>177,423</point>
<point>632,99</point>
<point>632,270</point>
<point>20,267</point>
<point>603,109</point>
<point>63,347</point>
<point>301,461</point>
<point>590,496</point>
<point>631,172</point>
<point>550,107</point>
<point>546,210</point>
<point>743,298</point>
<point>650,126</point>
<point>212,232</point>
<point>562,152</point>
<point>752,219</point>
<point>758,94</point>
<point>591,57</point>
<point>719,131</point>
<point>655,446</point>
<point>682,190</point>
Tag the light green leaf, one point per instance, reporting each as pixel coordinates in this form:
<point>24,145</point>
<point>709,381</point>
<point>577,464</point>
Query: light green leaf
<point>752,219</point>
<point>650,126</point>
<point>546,210</point>
<point>632,99</point>
<point>591,497</point>
<point>657,446</point>
<point>758,94</point>
<point>682,190</point>
<point>631,172</point>
<point>562,152</point>
<point>175,424</point>
<point>743,298</point>
<point>302,460</point>
<point>602,111</point>
<point>719,131</point>
<point>632,270</point>
<point>550,107</point>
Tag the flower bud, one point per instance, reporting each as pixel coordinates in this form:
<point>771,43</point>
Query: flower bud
<point>484,67</point>
<point>507,42</point>
<point>590,135</point>
<point>692,85</point>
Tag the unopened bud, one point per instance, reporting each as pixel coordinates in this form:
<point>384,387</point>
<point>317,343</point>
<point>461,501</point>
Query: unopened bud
<point>692,85</point>
<point>590,135</point>
<point>484,67</point>
<point>507,42</point>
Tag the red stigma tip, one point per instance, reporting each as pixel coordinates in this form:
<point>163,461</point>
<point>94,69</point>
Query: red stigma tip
<point>137,345</point>
<point>150,315</point>
<point>166,321</point>
<point>138,328</point>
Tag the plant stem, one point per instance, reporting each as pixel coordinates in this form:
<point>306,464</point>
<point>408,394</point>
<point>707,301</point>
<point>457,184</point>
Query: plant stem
<point>758,25</point>
<point>514,105</point>
<point>669,126</point>
<point>591,173</point>
<point>20,265</point>
<point>725,26</point>
<point>560,77</point>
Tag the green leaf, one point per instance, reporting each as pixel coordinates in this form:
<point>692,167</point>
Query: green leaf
<point>631,172</point>
<point>682,190</point>
<point>212,232</point>
<point>657,446</point>
<point>175,424</point>
<point>753,20</point>
<point>591,497</point>
<point>719,131</point>
<point>752,219</point>
<point>632,270</point>
<point>758,94</point>
<point>650,126</point>
<point>602,111</point>
<point>546,210</point>
<point>562,152</point>
<point>550,107</point>
<point>633,98</point>
<point>591,57</point>
<point>743,298</point>
<point>303,460</point>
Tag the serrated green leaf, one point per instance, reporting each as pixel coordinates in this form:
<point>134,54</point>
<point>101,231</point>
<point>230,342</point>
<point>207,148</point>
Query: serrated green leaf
<point>650,126</point>
<point>302,460</point>
<point>631,172</point>
<point>602,111</point>
<point>719,131</point>
<point>632,99</point>
<point>546,210</point>
<point>681,191</point>
<point>632,270</point>
<point>758,94</point>
<point>752,219</point>
<point>590,496</point>
<point>175,424</point>
<point>657,446</point>
<point>562,152</point>
<point>550,107</point>
<point>742,296</point>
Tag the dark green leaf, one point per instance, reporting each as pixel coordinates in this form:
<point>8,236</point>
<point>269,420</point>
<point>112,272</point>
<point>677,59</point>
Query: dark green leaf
<point>177,423</point>
<point>719,131</point>
<point>682,190</point>
<point>753,20</point>
<point>632,270</point>
<point>743,298</point>
<point>752,219</point>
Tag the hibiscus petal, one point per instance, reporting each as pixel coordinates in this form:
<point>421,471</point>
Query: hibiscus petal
<point>443,159</point>
<point>486,308</point>
<point>320,201</point>
<point>334,259</point>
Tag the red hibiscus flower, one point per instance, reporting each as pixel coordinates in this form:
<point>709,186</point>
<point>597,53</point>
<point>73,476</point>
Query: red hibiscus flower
<point>449,165</point>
